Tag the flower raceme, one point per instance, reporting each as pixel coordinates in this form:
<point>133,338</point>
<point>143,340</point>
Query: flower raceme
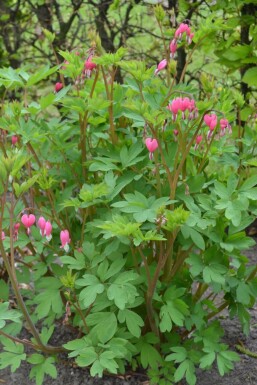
<point>183,28</point>
<point>65,240</point>
<point>183,105</point>
<point>28,221</point>
<point>3,235</point>
<point>45,229</point>
<point>211,120</point>
<point>151,145</point>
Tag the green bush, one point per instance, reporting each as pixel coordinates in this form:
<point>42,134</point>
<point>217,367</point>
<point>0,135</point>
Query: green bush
<point>141,193</point>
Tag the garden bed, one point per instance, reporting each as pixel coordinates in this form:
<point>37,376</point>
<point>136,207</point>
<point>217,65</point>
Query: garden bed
<point>245,371</point>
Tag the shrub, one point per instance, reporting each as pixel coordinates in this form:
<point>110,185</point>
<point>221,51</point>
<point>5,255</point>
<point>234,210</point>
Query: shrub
<point>123,214</point>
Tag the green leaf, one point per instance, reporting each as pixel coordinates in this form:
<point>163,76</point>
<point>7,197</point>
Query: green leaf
<point>25,186</point>
<point>214,273</point>
<point>115,268</point>
<point>40,75</point>
<point>107,361</point>
<point>96,369</point>
<point>122,294</point>
<point>225,361</point>
<point>87,357</point>
<point>106,329</point>
<point>207,360</point>
<point>149,356</point>
<point>49,298</point>
<point>133,321</point>
<point>13,354</point>
<point>197,238</point>
<point>46,101</point>
<point>4,290</point>
<point>179,355</point>
<point>249,183</point>
<point>250,77</point>
<point>89,294</point>
<point>109,58</point>
<point>6,314</point>
<point>41,368</point>
<point>176,310</point>
<point>87,280</point>
<point>10,78</point>
<point>221,190</point>
<point>243,293</point>
<point>77,346</point>
<point>36,359</point>
<point>77,263</point>
<point>181,371</point>
<point>237,241</point>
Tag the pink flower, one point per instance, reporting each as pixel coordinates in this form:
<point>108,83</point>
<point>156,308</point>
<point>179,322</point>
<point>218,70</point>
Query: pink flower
<point>58,87</point>
<point>190,38</point>
<point>89,65</point>
<point>151,145</point>
<point>173,48</point>
<point>16,231</point>
<point>192,109</point>
<point>3,236</point>
<point>65,240</point>
<point>224,124</point>
<point>181,29</point>
<point>175,133</point>
<point>48,231</point>
<point>198,140</point>
<point>210,120</point>
<point>174,107</point>
<point>160,66</point>
<point>14,140</point>
<point>28,221</point>
<point>17,226</point>
<point>42,224</point>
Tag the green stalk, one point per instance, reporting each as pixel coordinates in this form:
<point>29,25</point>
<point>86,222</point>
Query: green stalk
<point>158,179</point>
<point>109,94</point>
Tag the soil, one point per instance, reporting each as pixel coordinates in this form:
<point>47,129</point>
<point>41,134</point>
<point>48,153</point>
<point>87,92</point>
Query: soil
<point>245,372</point>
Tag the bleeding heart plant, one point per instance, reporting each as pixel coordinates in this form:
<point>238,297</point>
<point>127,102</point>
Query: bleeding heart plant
<point>152,249</point>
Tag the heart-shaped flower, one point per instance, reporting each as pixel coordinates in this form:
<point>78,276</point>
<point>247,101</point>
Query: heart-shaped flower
<point>65,240</point>
<point>151,144</point>
<point>41,224</point>
<point>48,230</point>
<point>28,221</point>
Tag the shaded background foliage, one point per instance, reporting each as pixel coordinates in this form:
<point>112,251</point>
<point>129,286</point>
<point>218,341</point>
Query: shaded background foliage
<point>132,24</point>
